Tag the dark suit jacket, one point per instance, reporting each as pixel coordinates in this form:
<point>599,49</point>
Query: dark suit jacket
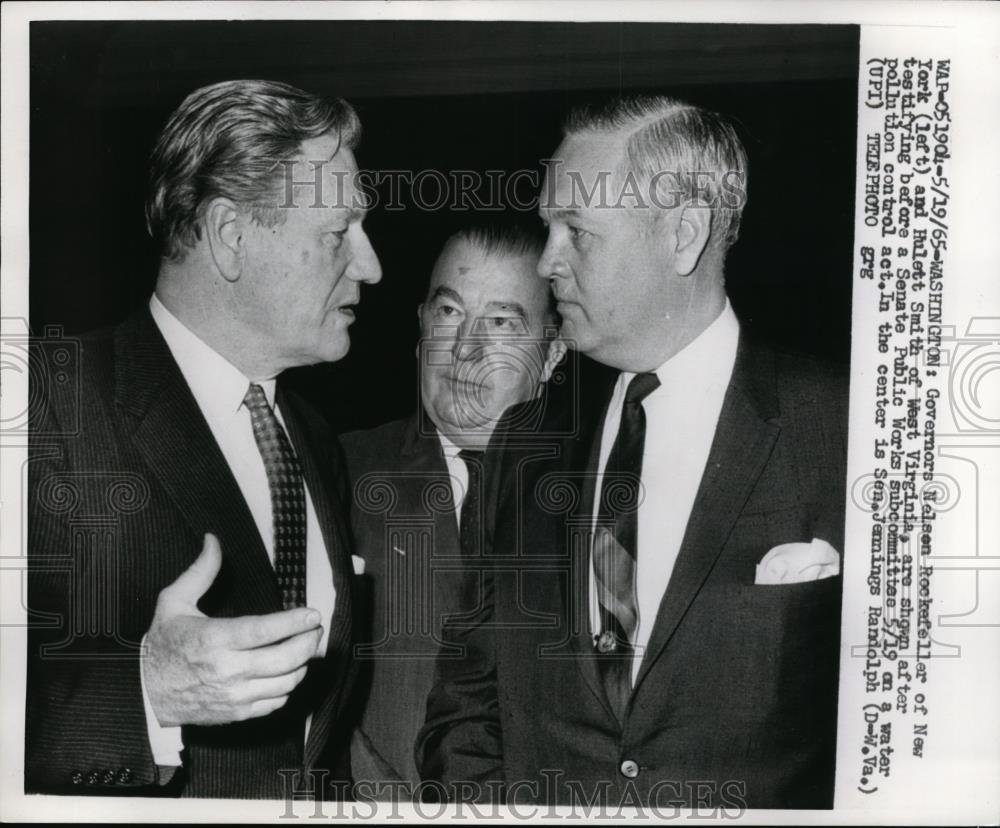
<point>404,526</point>
<point>735,701</point>
<point>124,480</point>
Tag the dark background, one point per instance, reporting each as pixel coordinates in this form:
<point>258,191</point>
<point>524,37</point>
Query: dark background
<point>442,95</point>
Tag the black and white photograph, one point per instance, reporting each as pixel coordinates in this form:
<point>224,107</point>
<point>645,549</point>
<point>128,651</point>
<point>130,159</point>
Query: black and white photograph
<point>430,411</point>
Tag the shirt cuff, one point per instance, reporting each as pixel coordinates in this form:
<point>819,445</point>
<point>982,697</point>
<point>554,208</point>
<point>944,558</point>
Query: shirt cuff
<point>165,742</point>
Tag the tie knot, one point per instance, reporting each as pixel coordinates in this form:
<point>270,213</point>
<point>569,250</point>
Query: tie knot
<point>256,399</point>
<point>640,387</point>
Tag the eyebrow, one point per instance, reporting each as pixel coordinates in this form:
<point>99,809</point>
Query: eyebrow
<point>515,307</point>
<point>442,292</point>
<point>559,212</point>
<point>447,293</point>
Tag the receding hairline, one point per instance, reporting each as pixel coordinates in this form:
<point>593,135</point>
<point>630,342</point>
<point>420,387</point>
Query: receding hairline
<point>613,159</point>
<point>619,134</point>
<point>626,117</point>
<point>526,257</point>
<point>653,130</point>
<point>526,263</point>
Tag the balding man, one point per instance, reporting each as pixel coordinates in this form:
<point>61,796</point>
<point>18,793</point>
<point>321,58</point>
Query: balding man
<point>488,330</point>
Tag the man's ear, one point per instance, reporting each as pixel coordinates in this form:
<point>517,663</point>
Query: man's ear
<point>224,229</point>
<point>694,226</point>
<point>556,352</point>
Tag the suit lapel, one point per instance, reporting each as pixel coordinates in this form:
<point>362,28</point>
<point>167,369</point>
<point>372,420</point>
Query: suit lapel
<point>744,439</point>
<point>421,453</point>
<point>177,444</point>
<point>582,460</point>
<point>171,434</point>
<point>318,470</point>
<point>422,461</point>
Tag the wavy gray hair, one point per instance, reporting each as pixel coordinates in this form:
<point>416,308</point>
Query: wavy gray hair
<point>230,139</point>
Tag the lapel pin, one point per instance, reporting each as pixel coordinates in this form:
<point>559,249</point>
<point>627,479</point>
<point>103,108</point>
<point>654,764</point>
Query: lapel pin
<point>606,642</point>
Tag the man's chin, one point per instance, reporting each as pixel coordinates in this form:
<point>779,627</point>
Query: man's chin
<point>472,424</point>
<point>574,335</point>
<point>336,343</point>
<point>464,425</point>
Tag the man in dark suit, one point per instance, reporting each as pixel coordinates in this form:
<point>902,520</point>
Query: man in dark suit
<point>488,341</point>
<point>155,668</point>
<point>659,620</point>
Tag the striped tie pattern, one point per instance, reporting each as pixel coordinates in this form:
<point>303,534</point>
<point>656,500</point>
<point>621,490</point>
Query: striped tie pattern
<point>614,568</point>
<point>615,546</point>
<point>288,501</point>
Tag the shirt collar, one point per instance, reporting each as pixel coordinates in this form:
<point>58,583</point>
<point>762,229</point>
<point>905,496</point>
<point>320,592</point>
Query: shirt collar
<point>707,359</point>
<point>447,446</point>
<point>218,386</point>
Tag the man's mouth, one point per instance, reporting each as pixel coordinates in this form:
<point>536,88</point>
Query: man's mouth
<point>348,309</point>
<point>466,384</point>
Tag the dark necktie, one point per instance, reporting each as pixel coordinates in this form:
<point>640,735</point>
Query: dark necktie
<point>288,500</point>
<point>615,546</point>
<point>469,516</point>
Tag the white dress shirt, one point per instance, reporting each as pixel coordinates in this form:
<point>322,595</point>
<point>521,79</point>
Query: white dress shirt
<point>458,475</point>
<point>219,388</point>
<point>681,418</point>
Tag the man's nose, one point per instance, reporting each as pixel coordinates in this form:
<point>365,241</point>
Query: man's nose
<point>550,263</point>
<point>365,265</point>
<point>469,344</point>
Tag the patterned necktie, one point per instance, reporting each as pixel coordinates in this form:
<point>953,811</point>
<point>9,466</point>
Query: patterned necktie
<point>469,517</point>
<point>288,500</point>
<point>615,546</point>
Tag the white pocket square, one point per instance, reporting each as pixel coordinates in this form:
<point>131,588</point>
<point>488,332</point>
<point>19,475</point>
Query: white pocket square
<point>797,563</point>
<point>359,564</point>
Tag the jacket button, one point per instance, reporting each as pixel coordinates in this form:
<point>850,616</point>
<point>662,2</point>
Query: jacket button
<point>629,769</point>
<point>108,777</point>
<point>124,776</point>
<point>76,778</point>
<point>93,778</point>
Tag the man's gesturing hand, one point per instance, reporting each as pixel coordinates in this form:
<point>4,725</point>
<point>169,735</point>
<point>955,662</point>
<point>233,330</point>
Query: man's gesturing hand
<point>201,670</point>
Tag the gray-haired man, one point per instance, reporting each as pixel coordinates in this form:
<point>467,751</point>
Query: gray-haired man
<point>659,619</point>
<point>186,442</point>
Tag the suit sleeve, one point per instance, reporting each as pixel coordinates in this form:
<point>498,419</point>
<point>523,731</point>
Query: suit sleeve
<point>460,745</point>
<point>85,724</point>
